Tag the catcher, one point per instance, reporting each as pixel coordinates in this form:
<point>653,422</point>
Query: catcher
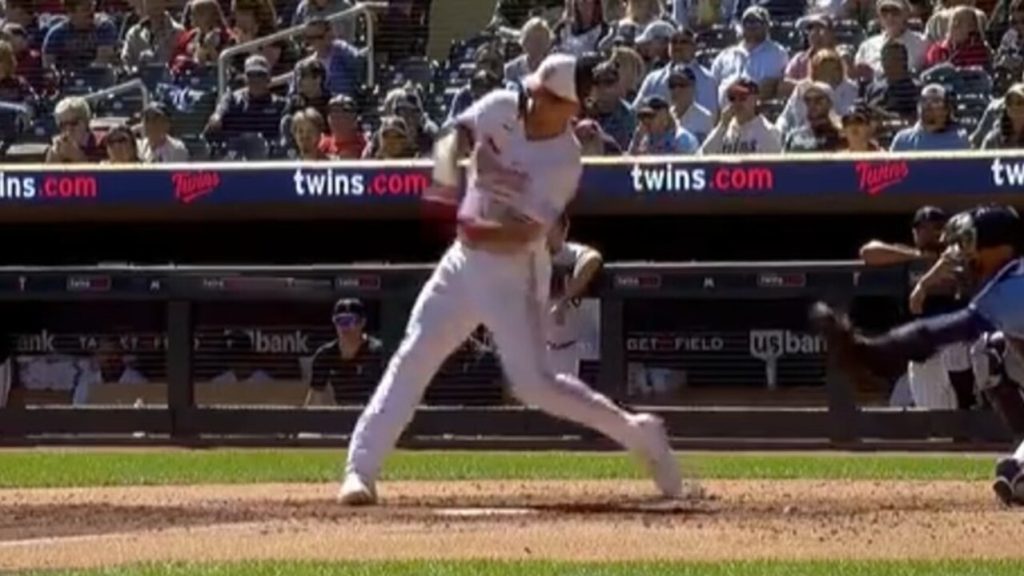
<point>983,250</point>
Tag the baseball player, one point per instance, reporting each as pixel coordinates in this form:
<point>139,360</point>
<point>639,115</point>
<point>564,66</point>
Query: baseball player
<point>574,266</point>
<point>944,381</point>
<point>524,169</point>
<point>983,246</point>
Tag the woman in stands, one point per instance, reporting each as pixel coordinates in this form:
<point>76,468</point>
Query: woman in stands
<point>535,39</point>
<point>640,13</point>
<point>14,90</point>
<point>859,131</point>
<point>253,19</point>
<point>964,45</point>
<point>1009,130</point>
<point>394,140</point>
<point>827,67</point>
<point>75,143</point>
<point>582,28</point>
<point>307,128</point>
<point>310,92</point>
<point>631,70</point>
<point>121,146</point>
<point>202,44</point>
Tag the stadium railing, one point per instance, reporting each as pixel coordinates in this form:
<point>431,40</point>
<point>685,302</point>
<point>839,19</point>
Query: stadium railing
<point>842,423</point>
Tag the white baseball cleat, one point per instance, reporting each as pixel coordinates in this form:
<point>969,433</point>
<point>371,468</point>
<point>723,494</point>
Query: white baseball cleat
<point>355,491</point>
<point>657,454</point>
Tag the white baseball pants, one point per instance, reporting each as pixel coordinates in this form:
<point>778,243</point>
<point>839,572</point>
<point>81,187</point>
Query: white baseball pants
<point>565,360</point>
<point>508,293</point>
<point>929,380</point>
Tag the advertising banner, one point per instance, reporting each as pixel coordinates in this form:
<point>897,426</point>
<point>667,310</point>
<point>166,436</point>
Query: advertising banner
<point>373,184</point>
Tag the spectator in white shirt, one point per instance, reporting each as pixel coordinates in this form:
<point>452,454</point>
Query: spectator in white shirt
<point>755,57</point>
<point>682,50</point>
<point>653,43</point>
<point>740,129</point>
<point>690,115</point>
<point>892,15</point>
<point>582,29</point>
<point>535,40</point>
<point>826,67</point>
<point>157,145</point>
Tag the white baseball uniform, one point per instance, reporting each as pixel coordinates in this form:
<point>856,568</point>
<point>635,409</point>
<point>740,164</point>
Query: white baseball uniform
<point>565,329</point>
<point>508,293</point>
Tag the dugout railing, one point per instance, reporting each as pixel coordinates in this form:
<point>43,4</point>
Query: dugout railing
<point>839,423</point>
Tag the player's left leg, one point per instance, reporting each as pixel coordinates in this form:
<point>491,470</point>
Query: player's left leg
<point>511,300</point>
<point>999,370</point>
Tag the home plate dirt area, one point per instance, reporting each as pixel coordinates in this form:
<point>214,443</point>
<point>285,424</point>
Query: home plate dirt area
<point>563,520</point>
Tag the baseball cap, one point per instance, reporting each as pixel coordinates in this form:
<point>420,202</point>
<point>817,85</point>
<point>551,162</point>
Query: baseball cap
<point>936,91</point>
<point>820,18</point>
<point>564,76</point>
<point>996,225</point>
<point>652,104</point>
<point>657,30</point>
<point>348,311</point>
<point>931,215</point>
<point>819,87</point>
<point>900,4</point>
<point>682,72</point>
<point>742,87</point>
<point>756,14</point>
<point>257,65</point>
<point>1016,89</point>
<point>342,102</point>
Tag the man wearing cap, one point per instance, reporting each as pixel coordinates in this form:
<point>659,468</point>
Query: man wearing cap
<point>944,381</point>
<point>756,56</point>
<point>657,132</point>
<point>892,15</point>
<point>936,129</point>
<point>820,131</point>
<point>819,30</point>
<point>612,112</point>
<point>689,115</point>
<point>252,109</point>
<point>535,39</point>
<point>983,246</point>
<point>344,63</point>
<point>157,145</point>
<point>83,39</point>
<point>741,129</point>
<point>345,140</point>
<point>682,51</point>
<point>524,169</point>
<point>344,370</point>
<point>653,42</point>
<point>859,130</point>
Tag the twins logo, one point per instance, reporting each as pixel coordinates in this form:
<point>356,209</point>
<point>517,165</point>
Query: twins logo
<point>191,186</point>
<point>770,345</point>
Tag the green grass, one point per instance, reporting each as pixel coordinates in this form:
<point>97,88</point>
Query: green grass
<point>47,468</point>
<point>957,568</point>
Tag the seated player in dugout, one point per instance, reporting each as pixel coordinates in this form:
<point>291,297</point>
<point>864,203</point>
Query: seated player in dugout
<point>574,266</point>
<point>984,250</point>
<point>345,370</point>
<point>945,381</point>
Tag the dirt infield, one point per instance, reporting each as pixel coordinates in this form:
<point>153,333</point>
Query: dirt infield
<point>508,520</point>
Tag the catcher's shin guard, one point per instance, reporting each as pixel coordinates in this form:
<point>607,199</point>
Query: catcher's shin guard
<point>1001,370</point>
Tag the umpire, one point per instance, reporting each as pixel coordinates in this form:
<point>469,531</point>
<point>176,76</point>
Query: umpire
<point>345,370</point>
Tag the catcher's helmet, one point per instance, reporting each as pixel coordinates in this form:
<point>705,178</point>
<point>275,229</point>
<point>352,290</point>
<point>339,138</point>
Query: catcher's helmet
<point>983,227</point>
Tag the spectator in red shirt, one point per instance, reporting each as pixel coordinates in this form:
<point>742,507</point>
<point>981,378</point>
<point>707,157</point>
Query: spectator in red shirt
<point>964,44</point>
<point>13,88</point>
<point>30,61</point>
<point>307,128</point>
<point>210,34</point>
<point>346,140</point>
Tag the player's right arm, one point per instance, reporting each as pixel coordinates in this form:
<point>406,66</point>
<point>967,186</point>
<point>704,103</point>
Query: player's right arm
<point>449,149</point>
<point>878,253</point>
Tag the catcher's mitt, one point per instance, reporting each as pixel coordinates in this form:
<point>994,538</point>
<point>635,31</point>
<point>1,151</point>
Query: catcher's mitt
<point>847,350</point>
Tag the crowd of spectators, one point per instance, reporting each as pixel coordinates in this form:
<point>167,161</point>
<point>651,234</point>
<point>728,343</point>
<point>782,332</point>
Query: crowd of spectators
<point>679,77</point>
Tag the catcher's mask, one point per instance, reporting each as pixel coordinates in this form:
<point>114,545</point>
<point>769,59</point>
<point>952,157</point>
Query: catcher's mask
<point>969,233</point>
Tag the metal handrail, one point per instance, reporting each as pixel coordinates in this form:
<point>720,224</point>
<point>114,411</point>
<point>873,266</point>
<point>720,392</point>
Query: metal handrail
<point>363,8</point>
<point>124,87</point>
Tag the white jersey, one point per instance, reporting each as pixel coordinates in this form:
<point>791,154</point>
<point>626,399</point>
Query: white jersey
<point>553,166</point>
